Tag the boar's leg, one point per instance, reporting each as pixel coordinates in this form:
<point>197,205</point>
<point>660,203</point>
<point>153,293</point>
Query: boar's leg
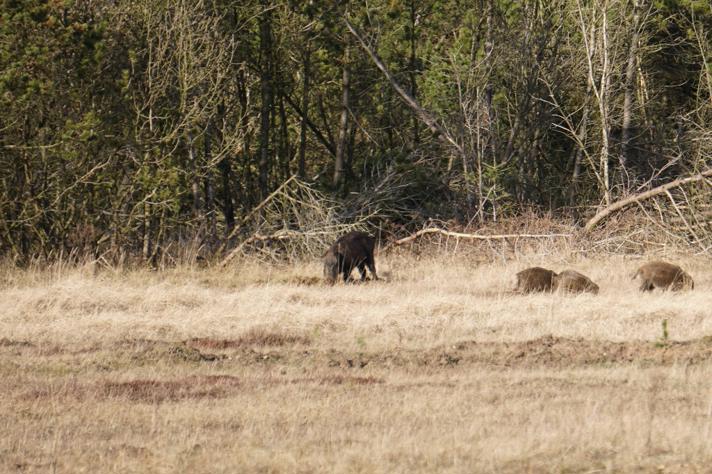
<point>344,268</point>
<point>362,270</point>
<point>372,267</point>
<point>647,286</point>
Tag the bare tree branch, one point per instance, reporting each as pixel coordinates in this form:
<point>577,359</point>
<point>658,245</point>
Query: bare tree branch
<point>422,114</point>
<point>617,206</point>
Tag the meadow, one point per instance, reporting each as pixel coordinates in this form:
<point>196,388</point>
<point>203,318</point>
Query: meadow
<point>437,368</point>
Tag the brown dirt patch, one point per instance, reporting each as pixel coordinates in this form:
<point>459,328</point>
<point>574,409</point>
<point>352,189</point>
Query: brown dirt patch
<point>5,342</point>
<point>158,391</point>
<point>68,389</point>
<point>142,390</point>
<point>146,350</point>
<point>214,386</point>
<point>548,351</point>
<point>250,339</point>
<point>39,348</point>
<point>262,347</point>
<point>339,380</point>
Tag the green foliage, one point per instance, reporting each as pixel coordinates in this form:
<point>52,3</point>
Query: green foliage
<point>143,121</point>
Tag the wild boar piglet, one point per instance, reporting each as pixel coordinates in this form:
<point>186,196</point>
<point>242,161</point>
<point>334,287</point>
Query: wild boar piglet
<point>574,282</point>
<point>663,275</point>
<point>535,279</point>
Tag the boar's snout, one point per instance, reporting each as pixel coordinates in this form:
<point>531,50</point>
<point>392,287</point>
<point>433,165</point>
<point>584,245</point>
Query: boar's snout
<point>331,268</point>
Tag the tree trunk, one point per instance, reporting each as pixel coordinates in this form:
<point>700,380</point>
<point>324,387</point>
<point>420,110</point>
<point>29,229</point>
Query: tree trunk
<point>305,110</point>
<point>488,148</point>
<point>604,92</point>
<point>146,221</point>
<point>228,207</point>
<point>266,92</point>
<point>478,163</point>
<point>195,184</point>
<point>285,147</point>
<point>578,154</point>
<point>225,170</point>
<point>413,71</point>
<point>343,122</point>
<point>209,189</point>
<point>246,197</point>
<point>351,142</point>
<point>629,92</point>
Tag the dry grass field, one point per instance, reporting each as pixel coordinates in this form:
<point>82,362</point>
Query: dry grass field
<point>438,369</point>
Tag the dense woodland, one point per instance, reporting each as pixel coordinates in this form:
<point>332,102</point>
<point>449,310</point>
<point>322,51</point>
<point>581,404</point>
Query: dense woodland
<point>127,125</point>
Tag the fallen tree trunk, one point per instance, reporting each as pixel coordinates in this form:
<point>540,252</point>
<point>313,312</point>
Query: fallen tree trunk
<point>460,235</point>
<point>623,203</point>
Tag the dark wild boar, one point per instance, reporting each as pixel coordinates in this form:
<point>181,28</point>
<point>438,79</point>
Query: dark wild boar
<point>353,250</point>
<point>663,275</point>
<point>572,281</point>
<point>535,279</point>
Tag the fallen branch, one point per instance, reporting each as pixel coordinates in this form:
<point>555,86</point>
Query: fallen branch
<point>258,207</point>
<point>460,235</point>
<point>637,198</point>
<point>284,234</point>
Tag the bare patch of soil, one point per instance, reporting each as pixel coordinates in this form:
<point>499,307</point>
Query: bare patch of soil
<point>548,351</point>
<point>195,387</point>
<point>339,380</point>
<point>68,389</point>
<point>147,350</point>
<point>5,342</point>
<point>158,391</point>
<point>139,351</point>
<point>23,347</point>
<point>252,338</point>
<point>260,347</point>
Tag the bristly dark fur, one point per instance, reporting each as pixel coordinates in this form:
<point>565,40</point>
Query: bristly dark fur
<point>353,250</point>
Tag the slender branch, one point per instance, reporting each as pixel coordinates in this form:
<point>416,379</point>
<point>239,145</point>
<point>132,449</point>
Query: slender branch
<point>327,144</point>
<point>422,114</point>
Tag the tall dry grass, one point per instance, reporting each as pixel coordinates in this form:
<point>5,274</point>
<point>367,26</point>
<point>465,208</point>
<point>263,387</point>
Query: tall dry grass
<point>438,368</point>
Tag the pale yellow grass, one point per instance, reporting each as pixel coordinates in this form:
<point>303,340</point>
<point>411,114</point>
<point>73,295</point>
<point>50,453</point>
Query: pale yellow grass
<point>102,372</point>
